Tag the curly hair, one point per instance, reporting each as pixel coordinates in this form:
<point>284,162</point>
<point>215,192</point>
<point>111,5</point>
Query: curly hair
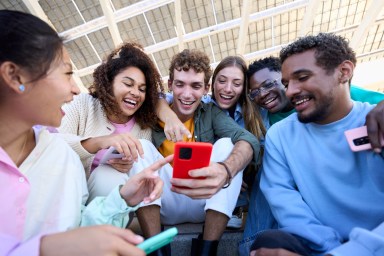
<point>330,50</point>
<point>187,59</point>
<point>271,63</point>
<point>128,55</point>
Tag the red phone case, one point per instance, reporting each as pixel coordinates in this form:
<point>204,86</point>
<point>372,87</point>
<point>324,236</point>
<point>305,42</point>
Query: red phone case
<point>198,157</point>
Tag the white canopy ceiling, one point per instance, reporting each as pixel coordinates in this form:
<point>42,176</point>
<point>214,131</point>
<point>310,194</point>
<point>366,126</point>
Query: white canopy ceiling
<point>252,28</point>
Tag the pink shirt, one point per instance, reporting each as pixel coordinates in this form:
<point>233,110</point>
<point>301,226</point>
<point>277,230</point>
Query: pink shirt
<point>119,128</point>
<point>15,189</point>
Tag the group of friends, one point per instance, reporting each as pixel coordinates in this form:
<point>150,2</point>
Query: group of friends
<point>309,193</point>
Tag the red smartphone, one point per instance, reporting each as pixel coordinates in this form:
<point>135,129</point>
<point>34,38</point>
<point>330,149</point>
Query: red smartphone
<point>358,139</point>
<point>189,156</point>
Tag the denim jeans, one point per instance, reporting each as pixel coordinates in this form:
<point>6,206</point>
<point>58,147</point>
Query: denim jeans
<point>259,218</point>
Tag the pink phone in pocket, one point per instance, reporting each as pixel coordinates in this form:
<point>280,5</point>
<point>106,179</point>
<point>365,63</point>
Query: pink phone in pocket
<point>358,139</point>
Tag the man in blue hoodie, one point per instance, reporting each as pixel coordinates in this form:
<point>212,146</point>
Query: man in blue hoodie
<point>318,189</point>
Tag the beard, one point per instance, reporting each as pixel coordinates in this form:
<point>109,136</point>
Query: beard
<point>321,112</point>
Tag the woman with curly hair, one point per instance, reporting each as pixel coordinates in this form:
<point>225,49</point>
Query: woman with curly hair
<point>119,110</point>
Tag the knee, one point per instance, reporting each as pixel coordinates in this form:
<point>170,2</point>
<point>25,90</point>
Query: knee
<point>147,145</point>
<point>221,149</point>
<point>150,151</point>
<point>103,179</point>
<point>223,142</point>
<point>275,239</point>
<point>268,239</point>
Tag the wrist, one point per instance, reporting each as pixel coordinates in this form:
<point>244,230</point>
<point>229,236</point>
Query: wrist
<point>229,175</point>
<point>90,145</point>
<point>123,195</point>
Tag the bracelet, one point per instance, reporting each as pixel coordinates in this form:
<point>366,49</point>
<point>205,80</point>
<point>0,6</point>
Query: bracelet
<point>228,173</point>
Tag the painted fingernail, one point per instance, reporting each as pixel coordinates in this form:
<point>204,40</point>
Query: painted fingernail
<point>139,238</point>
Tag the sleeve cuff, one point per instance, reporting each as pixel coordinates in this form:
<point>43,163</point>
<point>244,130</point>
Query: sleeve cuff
<point>362,242</point>
<point>108,210</point>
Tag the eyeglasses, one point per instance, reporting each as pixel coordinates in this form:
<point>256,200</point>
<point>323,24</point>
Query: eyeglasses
<point>254,93</point>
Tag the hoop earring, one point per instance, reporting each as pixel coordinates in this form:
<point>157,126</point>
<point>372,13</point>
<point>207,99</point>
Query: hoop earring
<point>21,88</point>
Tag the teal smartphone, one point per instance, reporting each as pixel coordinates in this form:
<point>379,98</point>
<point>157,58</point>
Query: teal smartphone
<point>158,241</point>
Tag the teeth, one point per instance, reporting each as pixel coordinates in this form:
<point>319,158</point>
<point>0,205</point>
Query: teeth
<point>301,101</point>
<point>269,101</point>
<point>187,102</point>
<point>130,101</point>
<point>226,96</point>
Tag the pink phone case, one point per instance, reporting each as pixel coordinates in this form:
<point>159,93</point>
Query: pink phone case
<point>358,139</point>
<point>111,153</point>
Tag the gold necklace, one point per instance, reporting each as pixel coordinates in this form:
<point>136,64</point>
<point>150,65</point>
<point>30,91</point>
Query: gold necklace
<point>22,150</point>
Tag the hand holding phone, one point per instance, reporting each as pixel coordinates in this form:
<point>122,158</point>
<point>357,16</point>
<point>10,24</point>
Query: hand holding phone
<point>189,156</point>
<point>358,139</point>
<point>111,153</point>
<point>158,241</point>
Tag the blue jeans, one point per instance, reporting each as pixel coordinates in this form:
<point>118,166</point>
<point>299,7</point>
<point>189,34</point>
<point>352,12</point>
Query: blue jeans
<point>242,200</point>
<point>259,218</point>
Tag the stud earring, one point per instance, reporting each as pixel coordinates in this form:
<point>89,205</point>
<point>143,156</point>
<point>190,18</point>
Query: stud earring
<point>22,88</point>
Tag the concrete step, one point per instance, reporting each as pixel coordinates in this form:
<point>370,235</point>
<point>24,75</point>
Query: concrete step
<point>181,245</point>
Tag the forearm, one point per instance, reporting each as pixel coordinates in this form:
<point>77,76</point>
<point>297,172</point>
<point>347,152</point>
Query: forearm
<point>240,157</point>
<point>92,145</point>
<point>164,112</point>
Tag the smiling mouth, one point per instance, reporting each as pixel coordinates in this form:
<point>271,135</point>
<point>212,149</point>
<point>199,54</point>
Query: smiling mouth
<point>269,100</point>
<point>300,100</point>
<point>226,97</point>
<point>188,103</point>
<point>130,102</point>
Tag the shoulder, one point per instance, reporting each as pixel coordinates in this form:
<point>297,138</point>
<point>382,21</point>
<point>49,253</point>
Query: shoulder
<point>83,102</point>
<point>86,98</point>
<point>56,143</point>
<point>362,108</point>
<point>211,107</point>
<point>87,104</point>
<point>286,127</point>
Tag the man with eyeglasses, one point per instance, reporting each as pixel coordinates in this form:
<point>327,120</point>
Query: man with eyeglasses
<point>267,91</point>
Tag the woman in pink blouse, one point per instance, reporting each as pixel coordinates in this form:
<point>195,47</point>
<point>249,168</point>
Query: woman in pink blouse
<point>35,81</point>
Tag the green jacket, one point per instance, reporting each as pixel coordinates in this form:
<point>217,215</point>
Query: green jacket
<point>211,124</point>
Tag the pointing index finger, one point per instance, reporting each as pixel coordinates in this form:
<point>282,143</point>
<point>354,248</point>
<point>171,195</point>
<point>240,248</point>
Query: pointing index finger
<point>160,163</point>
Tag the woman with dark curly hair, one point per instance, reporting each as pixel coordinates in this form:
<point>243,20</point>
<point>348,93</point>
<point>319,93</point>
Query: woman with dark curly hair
<point>119,110</point>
